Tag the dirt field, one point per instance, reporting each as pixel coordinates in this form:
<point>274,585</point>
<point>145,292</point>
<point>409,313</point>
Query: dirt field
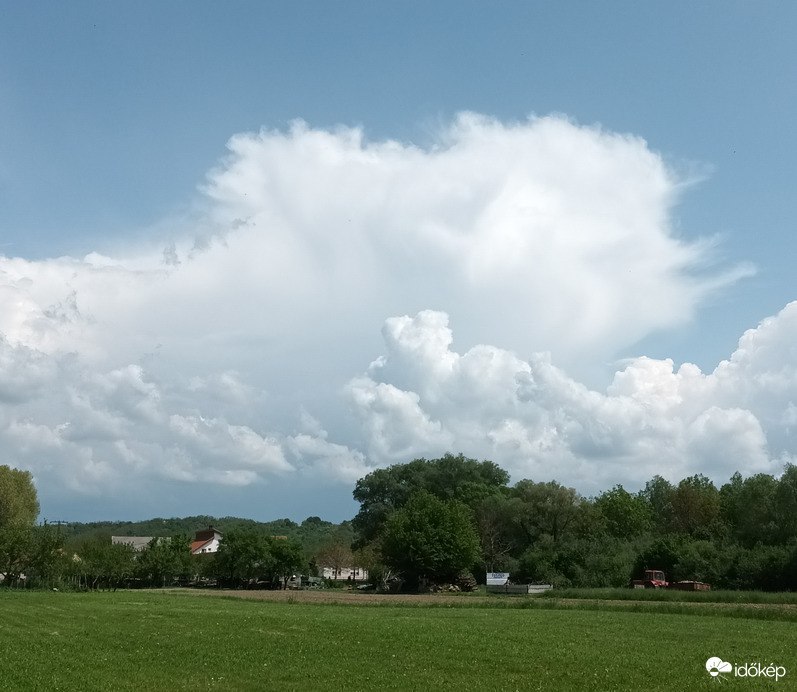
<point>360,598</point>
<point>339,596</point>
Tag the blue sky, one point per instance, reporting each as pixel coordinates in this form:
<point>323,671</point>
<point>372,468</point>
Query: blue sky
<point>114,125</point>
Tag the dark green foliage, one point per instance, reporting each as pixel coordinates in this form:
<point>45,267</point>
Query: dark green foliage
<point>15,547</point>
<point>545,510</point>
<point>424,519</point>
<point>695,507</point>
<point>384,491</point>
<point>188,526</point>
<point>664,554</point>
<point>659,492</point>
<point>246,558</point>
<point>243,555</point>
<point>786,504</point>
<point>47,563</point>
<point>288,559</point>
<point>624,515</point>
<point>495,521</point>
<point>429,537</point>
<point>166,560</point>
<point>742,536</point>
<point>750,509</point>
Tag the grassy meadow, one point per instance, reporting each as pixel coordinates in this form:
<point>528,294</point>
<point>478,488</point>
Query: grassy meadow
<point>675,596</point>
<point>149,640</point>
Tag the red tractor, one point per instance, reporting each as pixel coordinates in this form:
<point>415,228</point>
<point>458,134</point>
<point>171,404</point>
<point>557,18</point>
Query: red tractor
<point>654,579</point>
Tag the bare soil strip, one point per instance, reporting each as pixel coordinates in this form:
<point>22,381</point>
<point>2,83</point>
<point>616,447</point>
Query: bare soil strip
<point>357,598</point>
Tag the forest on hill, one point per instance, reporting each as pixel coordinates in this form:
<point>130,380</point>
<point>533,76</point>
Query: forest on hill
<point>313,532</point>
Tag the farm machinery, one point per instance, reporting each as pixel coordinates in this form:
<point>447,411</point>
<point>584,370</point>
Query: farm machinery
<point>656,579</point>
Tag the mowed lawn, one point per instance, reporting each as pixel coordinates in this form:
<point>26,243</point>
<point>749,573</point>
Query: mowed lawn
<point>144,640</point>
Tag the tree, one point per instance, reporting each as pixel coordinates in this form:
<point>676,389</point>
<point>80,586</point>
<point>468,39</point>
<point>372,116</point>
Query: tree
<point>335,554</point>
<point>545,509</point>
<point>18,503</point>
<point>165,559</point>
<point>99,563</point>
<point>288,557</point>
<point>696,506</point>
<point>625,515</point>
<point>384,491</point>
<point>659,493</point>
<point>47,562</point>
<point>18,511</point>
<point>243,555</point>
<point>750,509</point>
<point>15,547</point>
<point>430,537</point>
<point>786,503</point>
<point>492,521</point>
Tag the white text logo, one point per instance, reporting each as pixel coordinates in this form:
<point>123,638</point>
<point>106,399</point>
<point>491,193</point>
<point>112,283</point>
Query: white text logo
<point>719,670</point>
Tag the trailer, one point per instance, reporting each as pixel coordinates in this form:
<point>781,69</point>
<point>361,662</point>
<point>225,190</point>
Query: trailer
<point>656,579</point>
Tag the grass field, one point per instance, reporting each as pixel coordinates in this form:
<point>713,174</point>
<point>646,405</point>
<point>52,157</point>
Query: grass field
<point>148,640</point>
<point>674,596</point>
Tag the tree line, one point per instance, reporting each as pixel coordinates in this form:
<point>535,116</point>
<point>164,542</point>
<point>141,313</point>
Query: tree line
<point>446,520</point>
<point>437,520</point>
<point>83,556</point>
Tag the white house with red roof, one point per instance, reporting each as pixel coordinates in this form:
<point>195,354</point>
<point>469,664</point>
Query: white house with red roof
<point>206,541</point>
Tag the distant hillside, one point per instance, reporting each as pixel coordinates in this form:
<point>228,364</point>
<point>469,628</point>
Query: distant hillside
<point>312,532</point>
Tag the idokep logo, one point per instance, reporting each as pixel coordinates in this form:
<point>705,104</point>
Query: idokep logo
<point>719,670</point>
<point>717,667</point>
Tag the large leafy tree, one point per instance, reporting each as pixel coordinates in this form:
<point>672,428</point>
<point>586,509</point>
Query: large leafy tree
<point>750,509</point>
<point>167,558</point>
<point>545,509</point>
<point>495,527</point>
<point>288,559</point>
<point>659,493</point>
<point>430,537</point>
<point>625,515</point>
<point>243,555</point>
<point>15,547</point>
<point>96,562</point>
<point>19,508</point>
<point>696,506</point>
<point>786,503</point>
<point>19,505</point>
<point>384,491</point>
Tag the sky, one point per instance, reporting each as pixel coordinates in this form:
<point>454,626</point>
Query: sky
<point>250,252</point>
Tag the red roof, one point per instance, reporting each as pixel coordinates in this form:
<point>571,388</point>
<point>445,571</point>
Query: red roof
<point>196,545</point>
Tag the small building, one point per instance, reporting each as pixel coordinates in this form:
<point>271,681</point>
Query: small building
<point>138,543</point>
<point>206,541</point>
<point>345,573</point>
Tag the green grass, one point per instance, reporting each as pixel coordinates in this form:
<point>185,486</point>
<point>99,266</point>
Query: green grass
<point>155,641</point>
<point>673,595</point>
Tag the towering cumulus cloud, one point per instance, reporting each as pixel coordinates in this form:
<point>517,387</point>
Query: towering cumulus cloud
<point>224,354</point>
<point>423,397</point>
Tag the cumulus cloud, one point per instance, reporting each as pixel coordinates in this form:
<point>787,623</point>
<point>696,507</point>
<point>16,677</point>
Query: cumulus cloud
<point>538,422</point>
<point>217,355</point>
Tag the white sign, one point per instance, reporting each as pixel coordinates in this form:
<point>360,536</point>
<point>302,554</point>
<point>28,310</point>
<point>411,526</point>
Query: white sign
<point>497,578</point>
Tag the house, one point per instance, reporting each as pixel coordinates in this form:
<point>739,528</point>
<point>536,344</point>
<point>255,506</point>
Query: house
<point>345,573</point>
<point>138,543</point>
<point>206,541</point>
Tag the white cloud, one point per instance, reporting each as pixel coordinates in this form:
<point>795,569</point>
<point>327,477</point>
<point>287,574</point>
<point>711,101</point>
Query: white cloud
<point>218,355</point>
<point>536,421</point>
